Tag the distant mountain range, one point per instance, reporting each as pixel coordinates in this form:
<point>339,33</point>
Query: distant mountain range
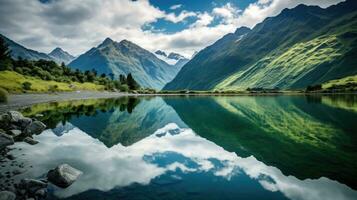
<point>112,57</point>
<point>58,55</point>
<point>126,57</point>
<point>173,58</point>
<point>302,46</point>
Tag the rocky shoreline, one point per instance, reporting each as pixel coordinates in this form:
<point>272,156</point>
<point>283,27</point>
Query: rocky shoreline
<point>14,127</point>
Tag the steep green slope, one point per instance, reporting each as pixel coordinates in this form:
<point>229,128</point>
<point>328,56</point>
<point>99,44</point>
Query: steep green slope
<point>299,47</point>
<point>123,58</point>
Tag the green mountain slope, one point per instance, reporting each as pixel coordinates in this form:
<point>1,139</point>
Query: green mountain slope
<point>126,57</point>
<point>299,47</point>
<point>18,50</point>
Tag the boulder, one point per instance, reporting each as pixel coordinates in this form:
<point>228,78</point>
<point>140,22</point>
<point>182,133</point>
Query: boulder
<point>14,132</point>
<point>24,122</point>
<point>7,195</point>
<point>5,121</point>
<point>5,140</point>
<point>15,116</point>
<point>35,127</point>
<point>31,141</point>
<point>63,175</point>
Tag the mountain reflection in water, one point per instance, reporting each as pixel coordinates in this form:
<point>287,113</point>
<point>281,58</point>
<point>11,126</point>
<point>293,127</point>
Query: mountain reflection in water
<point>200,148</point>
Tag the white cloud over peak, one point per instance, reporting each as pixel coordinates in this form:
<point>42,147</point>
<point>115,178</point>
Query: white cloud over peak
<point>76,26</point>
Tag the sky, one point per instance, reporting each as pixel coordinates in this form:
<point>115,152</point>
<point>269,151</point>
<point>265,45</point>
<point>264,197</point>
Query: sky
<point>182,26</point>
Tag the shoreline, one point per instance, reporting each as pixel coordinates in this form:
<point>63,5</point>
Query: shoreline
<point>20,101</point>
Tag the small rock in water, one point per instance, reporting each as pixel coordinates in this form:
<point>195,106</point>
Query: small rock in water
<point>5,140</point>
<point>7,195</point>
<point>31,141</point>
<point>15,133</point>
<point>63,175</point>
<point>35,127</point>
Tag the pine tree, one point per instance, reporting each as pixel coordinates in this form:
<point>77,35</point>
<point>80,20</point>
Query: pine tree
<point>133,85</point>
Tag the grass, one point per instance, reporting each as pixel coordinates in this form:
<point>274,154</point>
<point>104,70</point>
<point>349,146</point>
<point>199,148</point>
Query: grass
<point>349,83</point>
<point>3,95</point>
<point>13,82</point>
<point>284,69</point>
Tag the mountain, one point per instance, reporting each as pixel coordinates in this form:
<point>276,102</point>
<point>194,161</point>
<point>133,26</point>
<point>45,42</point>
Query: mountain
<point>59,56</point>
<point>174,59</point>
<point>126,57</point>
<point>302,46</point>
<point>18,50</point>
<point>161,53</point>
<point>175,56</point>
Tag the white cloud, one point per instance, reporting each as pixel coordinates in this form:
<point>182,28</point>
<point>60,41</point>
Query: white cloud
<point>79,25</point>
<point>227,12</point>
<point>178,18</point>
<point>177,6</point>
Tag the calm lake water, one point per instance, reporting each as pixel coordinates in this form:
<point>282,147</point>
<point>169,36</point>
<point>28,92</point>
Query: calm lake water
<point>285,147</point>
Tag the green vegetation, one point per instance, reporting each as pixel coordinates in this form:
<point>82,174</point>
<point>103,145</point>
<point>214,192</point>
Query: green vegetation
<point>302,46</point>
<point>3,95</point>
<point>42,76</point>
<point>13,82</point>
<point>347,84</point>
<point>26,85</point>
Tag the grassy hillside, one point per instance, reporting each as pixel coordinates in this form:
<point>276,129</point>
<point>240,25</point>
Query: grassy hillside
<point>12,82</point>
<point>348,83</point>
<point>303,46</point>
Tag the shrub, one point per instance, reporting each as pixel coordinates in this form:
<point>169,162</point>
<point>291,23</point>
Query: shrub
<point>3,95</point>
<point>53,88</point>
<point>26,85</point>
<point>124,88</point>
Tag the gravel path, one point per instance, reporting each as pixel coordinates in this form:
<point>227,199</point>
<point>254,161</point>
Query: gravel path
<point>23,100</point>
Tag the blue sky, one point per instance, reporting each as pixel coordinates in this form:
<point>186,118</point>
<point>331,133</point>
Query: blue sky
<point>182,26</point>
<point>177,6</point>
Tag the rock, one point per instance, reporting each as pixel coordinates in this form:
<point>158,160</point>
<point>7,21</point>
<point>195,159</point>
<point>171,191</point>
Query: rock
<point>63,175</point>
<point>35,127</point>
<point>41,193</point>
<point>14,132</point>
<point>24,122</point>
<point>4,121</point>
<point>15,116</point>
<point>31,141</point>
<point>32,185</point>
<point>7,195</point>
<point>5,140</point>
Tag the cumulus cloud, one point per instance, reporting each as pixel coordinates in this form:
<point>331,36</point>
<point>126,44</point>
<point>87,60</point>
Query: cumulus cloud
<point>79,25</point>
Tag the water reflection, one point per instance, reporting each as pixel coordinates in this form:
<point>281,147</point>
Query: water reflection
<point>203,148</point>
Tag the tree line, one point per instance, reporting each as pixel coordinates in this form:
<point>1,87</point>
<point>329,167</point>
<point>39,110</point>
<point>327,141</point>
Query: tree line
<point>50,70</point>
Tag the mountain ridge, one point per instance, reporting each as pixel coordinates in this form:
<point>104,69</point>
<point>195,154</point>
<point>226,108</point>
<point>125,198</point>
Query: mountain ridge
<point>126,57</point>
<point>257,60</point>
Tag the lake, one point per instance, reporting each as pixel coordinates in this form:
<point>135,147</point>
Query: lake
<point>242,147</point>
